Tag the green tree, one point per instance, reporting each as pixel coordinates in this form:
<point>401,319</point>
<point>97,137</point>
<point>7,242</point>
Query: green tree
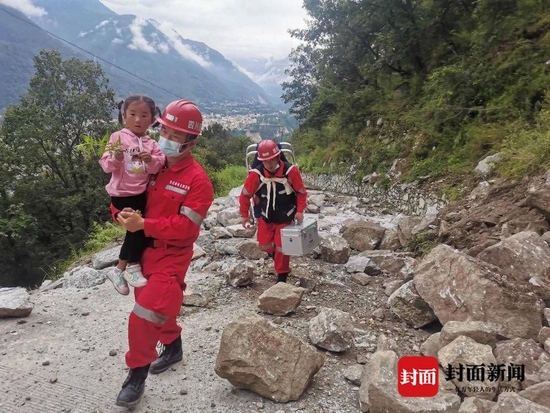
<point>51,193</point>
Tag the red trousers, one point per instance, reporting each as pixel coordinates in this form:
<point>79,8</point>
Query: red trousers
<point>157,305</point>
<point>269,240</point>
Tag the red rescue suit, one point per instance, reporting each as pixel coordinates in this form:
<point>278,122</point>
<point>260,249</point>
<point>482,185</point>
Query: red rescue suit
<point>281,195</point>
<point>178,199</point>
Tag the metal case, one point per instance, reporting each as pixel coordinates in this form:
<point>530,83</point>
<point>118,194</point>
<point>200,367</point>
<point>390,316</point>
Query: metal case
<point>300,239</point>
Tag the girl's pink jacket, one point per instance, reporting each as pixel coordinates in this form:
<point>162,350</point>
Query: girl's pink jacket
<point>125,181</point>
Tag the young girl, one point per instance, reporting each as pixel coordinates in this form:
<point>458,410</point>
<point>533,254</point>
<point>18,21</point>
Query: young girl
<point>131,157</point>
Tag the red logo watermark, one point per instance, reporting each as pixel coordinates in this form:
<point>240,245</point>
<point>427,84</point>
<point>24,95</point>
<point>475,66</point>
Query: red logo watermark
<point>417,376</point>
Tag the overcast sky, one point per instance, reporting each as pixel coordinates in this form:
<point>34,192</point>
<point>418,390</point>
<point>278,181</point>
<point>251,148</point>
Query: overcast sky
<point>236,28</point>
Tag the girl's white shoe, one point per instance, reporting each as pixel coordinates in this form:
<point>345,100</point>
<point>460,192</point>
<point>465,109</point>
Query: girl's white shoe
<point>115,275</point>
<point>134,277</point>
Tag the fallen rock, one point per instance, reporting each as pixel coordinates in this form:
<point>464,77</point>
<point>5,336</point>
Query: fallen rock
<point>466,351</point>
<point>106,258</point>
<point>476,405</point>
<point>513,403</point>
<point>431,345</point>
<point>332,330</point>
<point>461,288</point>
<point>538,195</point>
<point>256,356</point>
<point>251,251</point>
<point>538,393</point>
<point>84,277</point>
<point>478,331</point>
<point>14,302</point>
<point>527,352</point>
<point>195,298</point>
<point>361,278</point>
<point>547,315</point>
<point>544,334</point>
<point>409,307</point>
<point>198,252</point>
<point>405,225</point>
<point>334,249</point>
<point>229,216</point>
<point>353,374</point>
<point>390,262</point>
<point>281,299</point>
<point>390,241</point>
<point>363,235</point>
<point>220,233</point>
<point>357,263</point>
<point>524,255</point>
<point>392,286</point>
<point>487,164</point>
<point>378,392</point>
<point>239,231</point>
<point>429,219</point>
<point>241,274</point>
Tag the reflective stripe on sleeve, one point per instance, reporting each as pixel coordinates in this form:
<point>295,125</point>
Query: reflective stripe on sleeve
<point>149,315</point>
<point>194,216</point>
<point>266,247</point>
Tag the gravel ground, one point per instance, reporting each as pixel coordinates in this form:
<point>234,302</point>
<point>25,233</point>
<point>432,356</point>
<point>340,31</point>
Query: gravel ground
<point>68,355</point>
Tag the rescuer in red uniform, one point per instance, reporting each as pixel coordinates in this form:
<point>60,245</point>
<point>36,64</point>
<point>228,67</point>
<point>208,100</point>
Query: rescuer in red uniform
<point>278,189</point>
<point>178,199</point>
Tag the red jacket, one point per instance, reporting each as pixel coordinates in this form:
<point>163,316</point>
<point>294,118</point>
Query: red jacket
<point>252,183</point>
<point>178,199</point>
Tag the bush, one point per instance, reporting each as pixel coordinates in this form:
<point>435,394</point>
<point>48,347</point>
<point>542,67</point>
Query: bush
<point>228,178</point>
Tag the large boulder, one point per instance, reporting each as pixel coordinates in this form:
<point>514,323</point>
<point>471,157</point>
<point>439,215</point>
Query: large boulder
<point>465,351</point>
<point>527,353</point>
<point>524,255</point>
<point>281,299</point>
<point>363,235</point>
<point>239,231</point>
<point>84,277</point>
<point>409,307</point>
<point>390,262</point>
<point>479,331</point>
<point>378,392</point>
<point>513,403</point>
<point>251,251</point>
<point>405,225</point>
<point>332,330</point>
<point>461,288</point>
<point>538,393</point>
<point>106,258</point>
<point>229,216</point>
<point>241,274</point>
<point>487,164</point>
<point>14,302</point>
<point>334,249</point>
<point>256,356</point>
<point>476,405</point>
<point>538,195</point>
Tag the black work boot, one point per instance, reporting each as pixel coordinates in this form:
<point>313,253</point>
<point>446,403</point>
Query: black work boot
<point>172,353</point>
<point>133,387</point>
<point>281,278</point>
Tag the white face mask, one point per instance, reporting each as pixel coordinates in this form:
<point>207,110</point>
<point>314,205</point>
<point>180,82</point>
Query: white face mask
<point>168,147</point>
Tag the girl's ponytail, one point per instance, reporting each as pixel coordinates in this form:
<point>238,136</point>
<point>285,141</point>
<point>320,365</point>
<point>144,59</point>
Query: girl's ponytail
<point>119,106</point>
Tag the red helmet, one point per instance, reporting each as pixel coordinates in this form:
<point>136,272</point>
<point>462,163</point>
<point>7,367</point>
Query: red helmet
<point>183,116</point>
<point>268,149</point>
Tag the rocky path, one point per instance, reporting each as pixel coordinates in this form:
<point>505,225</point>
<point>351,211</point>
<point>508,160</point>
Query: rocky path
<point>68,355</point>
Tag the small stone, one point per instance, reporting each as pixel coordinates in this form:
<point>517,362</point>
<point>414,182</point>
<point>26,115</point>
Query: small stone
<point>53,381</point>
<point>46,363</point>
<point>379,314</point>
<point>278,320</point>
<point>86,313</point>
<point>260,405</point>
<point>28,398</point>
<point>21,321</point>
<point>183,392</point>
<point>212,404</point>
<point>208,328</point>
<point>112,353</point>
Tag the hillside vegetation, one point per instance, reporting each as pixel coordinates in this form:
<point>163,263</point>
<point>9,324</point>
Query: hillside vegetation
<point>53,204</point>
<point>439,82</point>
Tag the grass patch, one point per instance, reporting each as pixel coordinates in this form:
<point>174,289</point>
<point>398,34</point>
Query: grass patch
<point>101,236</point>
<point>228,178</point>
